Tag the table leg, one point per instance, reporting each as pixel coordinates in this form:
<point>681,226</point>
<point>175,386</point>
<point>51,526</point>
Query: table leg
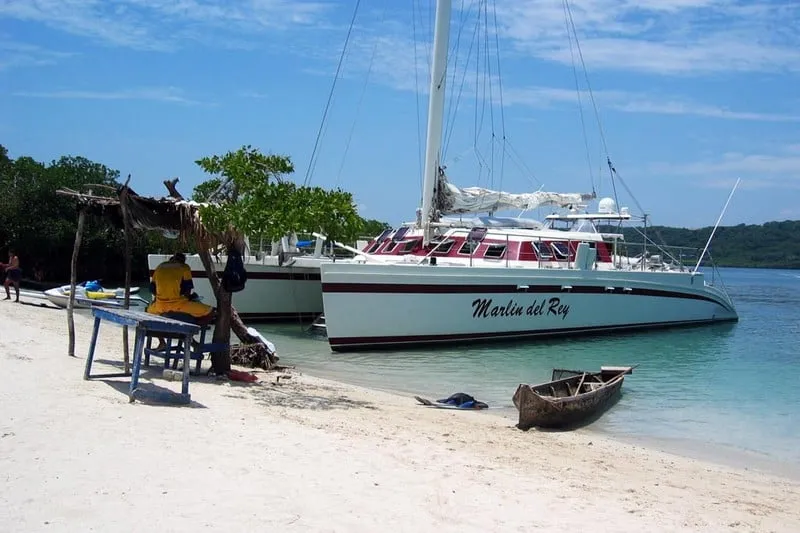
<point>92,346</point>
<point>138,348</point>
<point>187,363</point>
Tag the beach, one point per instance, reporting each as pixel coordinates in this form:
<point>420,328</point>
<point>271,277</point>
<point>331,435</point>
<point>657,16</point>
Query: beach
<point>309,454</point>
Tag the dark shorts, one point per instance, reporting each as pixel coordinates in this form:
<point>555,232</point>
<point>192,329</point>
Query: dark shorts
<point>14,275</point>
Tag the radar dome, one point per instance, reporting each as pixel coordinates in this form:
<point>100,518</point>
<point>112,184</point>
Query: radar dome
<point>607,206</point>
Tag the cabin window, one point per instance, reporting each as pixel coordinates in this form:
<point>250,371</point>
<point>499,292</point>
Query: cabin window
<point>390,247</point>
<point>495,251</point>
<point>443,247</point>
<point>375,246</point>
<point>385,233</point>
<point>468,248</point>
<point>476,234</point>
<point>406,247</point>
<point>542,250</point>
<point>561,250</point>
<point>400,234</point>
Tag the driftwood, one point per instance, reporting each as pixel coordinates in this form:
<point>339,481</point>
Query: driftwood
<point>253,355</point>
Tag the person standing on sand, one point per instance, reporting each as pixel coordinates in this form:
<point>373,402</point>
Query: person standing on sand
<point>13,274</point>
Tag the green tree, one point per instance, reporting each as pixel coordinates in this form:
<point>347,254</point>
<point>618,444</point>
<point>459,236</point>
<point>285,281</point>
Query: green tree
<point>373,228</point>
<point>249,195</point>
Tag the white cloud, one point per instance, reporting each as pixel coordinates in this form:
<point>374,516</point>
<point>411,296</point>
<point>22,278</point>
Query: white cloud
<point>629,102</point>
<point>660,36</point>
<point>780,169</point>
<point>164,24</point>
<point>155,94</point>
<point>253,94</point>
<point>19,54</point>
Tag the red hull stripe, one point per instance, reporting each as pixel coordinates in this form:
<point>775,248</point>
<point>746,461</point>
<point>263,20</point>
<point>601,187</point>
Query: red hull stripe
<point>400,340</point>
<point>386,288</point>
<point>291,276</point>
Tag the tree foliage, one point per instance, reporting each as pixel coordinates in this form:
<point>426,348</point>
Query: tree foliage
<point>40,225</point>
<point>251,195</point>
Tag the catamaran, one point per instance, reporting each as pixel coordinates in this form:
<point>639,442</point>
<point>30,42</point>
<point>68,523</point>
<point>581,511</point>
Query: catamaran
<point>283,284</point>
<point>446,278</point>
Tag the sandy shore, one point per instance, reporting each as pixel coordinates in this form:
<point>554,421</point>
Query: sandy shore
<point>317,455</point>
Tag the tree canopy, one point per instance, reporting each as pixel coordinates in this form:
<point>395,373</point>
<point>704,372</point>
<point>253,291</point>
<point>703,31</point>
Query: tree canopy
<point>252,195</point>
<point>40,225</point>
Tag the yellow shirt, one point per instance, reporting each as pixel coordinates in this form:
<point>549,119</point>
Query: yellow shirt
<point>169,278</point>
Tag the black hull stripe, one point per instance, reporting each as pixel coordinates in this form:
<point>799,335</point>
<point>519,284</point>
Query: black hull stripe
<point>278,317</point>
<point>361,343</point>
<point>387,288</point>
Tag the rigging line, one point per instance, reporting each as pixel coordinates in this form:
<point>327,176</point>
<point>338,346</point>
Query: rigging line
<point>578,92</point>
<point>491,85</point>
<point>521,163</point>
<point>416,94</point>
<point>311,162</point>
<point>480,103</point>
<point>586,76</point>
<point>500,88</point>
<point>359,104</point>
<point>450,124</point>
<point>477,91</point>
<point>452,85</point>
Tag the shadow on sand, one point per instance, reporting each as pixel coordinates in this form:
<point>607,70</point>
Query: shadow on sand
<point>147,382</point>
<point>293,395</point>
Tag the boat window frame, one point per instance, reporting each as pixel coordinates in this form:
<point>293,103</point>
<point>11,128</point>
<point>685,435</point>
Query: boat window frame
<point>558,253</point>
<point>443,247</point>
<point>404,247</point>
<point>548,255</point>
<point>468,243</point>
<point>489,246</point>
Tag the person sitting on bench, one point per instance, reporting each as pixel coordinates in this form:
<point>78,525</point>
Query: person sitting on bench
<point>173,295</point>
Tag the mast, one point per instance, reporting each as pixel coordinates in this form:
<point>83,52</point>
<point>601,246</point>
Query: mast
<point>441,37</point>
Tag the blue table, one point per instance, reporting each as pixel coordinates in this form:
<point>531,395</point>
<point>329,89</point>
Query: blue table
<point>145,324</point>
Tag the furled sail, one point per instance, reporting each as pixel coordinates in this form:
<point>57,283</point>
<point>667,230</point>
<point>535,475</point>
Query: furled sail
<point>452,200</point>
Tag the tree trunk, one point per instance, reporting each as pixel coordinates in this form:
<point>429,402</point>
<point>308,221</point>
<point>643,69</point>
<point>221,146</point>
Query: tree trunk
<point>227,317</point>
<point>73,282</point>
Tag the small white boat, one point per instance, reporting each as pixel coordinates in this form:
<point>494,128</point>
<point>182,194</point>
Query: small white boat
<point>84,299</point>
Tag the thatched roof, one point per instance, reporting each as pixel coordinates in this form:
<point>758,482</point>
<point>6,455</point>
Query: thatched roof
<point>170,216</point>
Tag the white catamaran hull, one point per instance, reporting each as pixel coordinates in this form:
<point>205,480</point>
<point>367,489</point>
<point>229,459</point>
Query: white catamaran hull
<point>272,292</point>
<point>368,306</point>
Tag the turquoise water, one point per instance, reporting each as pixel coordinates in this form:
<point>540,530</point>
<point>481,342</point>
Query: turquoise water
<point>732,385</point>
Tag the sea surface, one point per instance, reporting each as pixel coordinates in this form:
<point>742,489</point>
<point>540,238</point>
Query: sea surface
<point>729,392</point>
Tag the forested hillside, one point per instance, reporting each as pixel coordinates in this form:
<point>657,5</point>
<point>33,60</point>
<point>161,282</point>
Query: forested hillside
<point>770,245</point>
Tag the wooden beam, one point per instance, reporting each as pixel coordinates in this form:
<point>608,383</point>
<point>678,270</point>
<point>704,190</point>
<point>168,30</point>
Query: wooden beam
<point>123,200</point>
<point>73,277</point>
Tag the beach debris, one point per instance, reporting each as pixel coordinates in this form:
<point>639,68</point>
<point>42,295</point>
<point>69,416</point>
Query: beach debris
<point>239,375</point>
<point>458,400</point>
<point>252,356</point>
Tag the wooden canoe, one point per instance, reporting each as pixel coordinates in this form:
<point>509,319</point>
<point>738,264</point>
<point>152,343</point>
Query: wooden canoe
<point>572,397</point>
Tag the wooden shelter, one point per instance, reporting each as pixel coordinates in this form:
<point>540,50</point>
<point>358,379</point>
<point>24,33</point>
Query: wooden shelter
<point>172,216</point>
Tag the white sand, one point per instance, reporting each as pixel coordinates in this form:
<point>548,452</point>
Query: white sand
<point>316,455</point>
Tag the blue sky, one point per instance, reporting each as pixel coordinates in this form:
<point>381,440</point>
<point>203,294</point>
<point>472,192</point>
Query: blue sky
<point>691,94</point>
